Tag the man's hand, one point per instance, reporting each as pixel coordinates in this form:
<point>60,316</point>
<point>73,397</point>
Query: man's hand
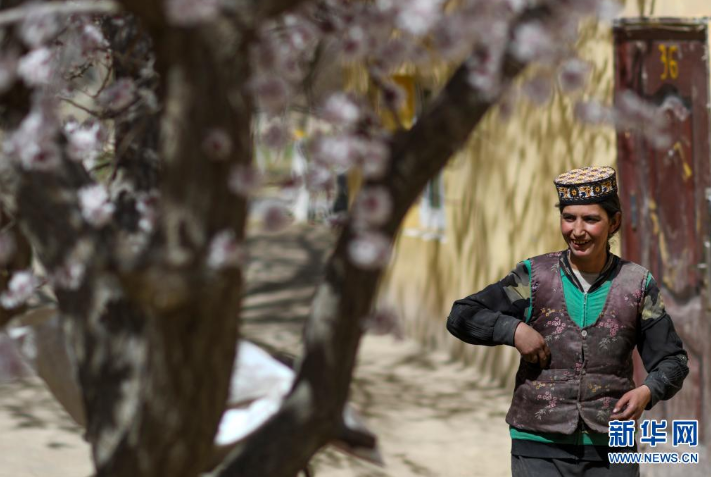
<point>531,345</point>
<point>632,404</point>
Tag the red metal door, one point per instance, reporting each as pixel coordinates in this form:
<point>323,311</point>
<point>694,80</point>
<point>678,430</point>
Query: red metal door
<point>663,192</point>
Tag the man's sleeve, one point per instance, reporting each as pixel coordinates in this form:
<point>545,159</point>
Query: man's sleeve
<point>490,317</point>
<point>660,348</point>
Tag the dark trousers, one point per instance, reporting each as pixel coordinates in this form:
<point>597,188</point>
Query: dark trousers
<point>538,467</point>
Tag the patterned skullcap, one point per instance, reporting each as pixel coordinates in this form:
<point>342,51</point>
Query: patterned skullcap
<point>587,185</point>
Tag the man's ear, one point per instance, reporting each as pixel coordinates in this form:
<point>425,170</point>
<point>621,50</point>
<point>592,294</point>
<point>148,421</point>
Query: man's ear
<point>615,223</point>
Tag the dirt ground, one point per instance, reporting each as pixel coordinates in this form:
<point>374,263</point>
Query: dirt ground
<point>432,416</point>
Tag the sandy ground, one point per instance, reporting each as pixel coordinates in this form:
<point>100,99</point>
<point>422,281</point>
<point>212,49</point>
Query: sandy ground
<point>431,415</point>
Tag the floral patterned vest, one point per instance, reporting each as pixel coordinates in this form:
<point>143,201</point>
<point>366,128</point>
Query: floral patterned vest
<point>590,368</point>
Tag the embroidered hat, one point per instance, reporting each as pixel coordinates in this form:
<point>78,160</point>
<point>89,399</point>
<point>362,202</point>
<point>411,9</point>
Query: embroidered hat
<point>587,185</point>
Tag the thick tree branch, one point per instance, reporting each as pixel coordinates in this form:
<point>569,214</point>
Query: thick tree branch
<point>308,418</point>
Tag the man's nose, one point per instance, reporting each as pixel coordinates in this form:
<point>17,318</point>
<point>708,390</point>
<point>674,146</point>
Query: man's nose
<point>578,228</point>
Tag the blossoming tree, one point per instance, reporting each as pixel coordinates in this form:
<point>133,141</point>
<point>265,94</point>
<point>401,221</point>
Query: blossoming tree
<point>137,213</point>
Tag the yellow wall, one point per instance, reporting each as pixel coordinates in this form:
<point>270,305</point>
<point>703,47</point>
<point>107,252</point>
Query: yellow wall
<point>499,203</point>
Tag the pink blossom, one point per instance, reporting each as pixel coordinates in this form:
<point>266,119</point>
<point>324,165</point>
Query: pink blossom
<point>369,250</point>
<point>38,28</point>
<point>483,68</point>
<point>275,218</point>
<point>532,42</point>
<point>384,321</point>
<point>339,151</point>
<point>7,247</point>
<point>217,144</point>
<point>592,112</point>
<point>573,75</point>
<point>354,43</point>
<point>244,180</point>
<point>608,10</point>
<point>676,106</point>
<point>318,178</point>
<point>70,275</point>
<point>418,16</point>
<point>21,287</point>
<point>35,68</point>
<point>96,207</point>
<point>119,95</point>
<point>147,205</point>
<point>188,13</point>
<point>225,251</point>
<point>277,135</point>
<point>374,158</point>
<point>301,35</point>
<point>84,141</point>
<point>34,144</point>
<point>341,110</point>
<point>92,39</point>
<point>373,206</point>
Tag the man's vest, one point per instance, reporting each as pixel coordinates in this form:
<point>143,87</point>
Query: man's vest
<point>591,367</point>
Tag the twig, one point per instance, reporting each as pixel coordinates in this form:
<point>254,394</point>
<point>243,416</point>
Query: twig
<point>84,108</point>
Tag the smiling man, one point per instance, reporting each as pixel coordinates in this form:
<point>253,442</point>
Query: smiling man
<point>575,316</point>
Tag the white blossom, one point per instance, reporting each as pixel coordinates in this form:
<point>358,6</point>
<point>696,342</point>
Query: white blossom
<point>21,287</point>
<point>532,42</point>
<point>91,40</point>
<point>676,106</point>
<point>83,141</point>
<point>70,275</point>
<point>573,75</point>
<point>354,43</point>
<point>319,178</point>
<point>339,151</point>
<point>633,112</point>
<point>37,28</point>
<point>36,67</point>
<point>189,13</point>
<point>340,109</point>
<point>277,135</point>
<point>373,206</point>
<point>119,95</point>
<point>608,10</point>
<point>217,144</point>
<point>146,205</point>
<point>483,69</point>
<point>418,16</point>
<point>34,144</point>
<point>225,251</point>
<point>592,112</point>
<point>96,207</point>
<point>374,158</point>
<point>369,250</point>
<point>244,180</point>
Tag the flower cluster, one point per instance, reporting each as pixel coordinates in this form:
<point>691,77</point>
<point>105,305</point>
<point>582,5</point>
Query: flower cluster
<point>21,287</point>
<point>95,204</point>
<point>225,251</point>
